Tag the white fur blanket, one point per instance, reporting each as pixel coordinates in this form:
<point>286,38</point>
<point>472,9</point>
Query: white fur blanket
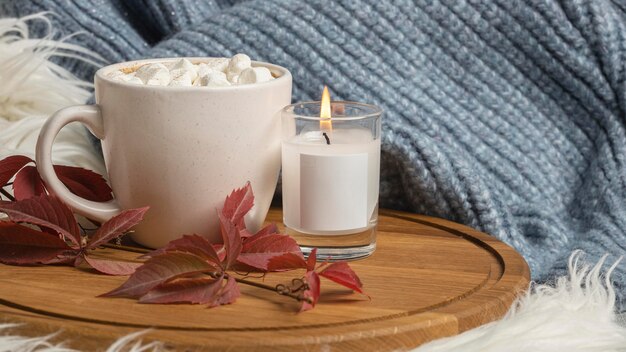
<point>576,313</point>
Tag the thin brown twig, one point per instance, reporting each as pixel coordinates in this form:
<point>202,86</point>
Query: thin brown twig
<point>297,297</point>
<point>294,295</point>
<point>126,248</point>
<point>84,229</point>
<point>93,222</point>
<point>248,275</point>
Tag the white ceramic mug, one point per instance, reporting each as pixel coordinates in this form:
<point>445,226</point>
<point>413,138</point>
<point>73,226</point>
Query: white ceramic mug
<point>179,150</point>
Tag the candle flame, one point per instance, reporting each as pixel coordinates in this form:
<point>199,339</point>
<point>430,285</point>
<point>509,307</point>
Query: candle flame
<point>325,115</point>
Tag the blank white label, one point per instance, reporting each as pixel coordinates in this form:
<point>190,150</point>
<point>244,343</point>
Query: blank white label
<point>333,192</point>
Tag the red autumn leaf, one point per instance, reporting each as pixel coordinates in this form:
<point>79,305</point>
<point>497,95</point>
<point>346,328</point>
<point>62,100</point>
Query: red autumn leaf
<point>10,166</point>
<point>311,260</point>
<point>257,253</point>
<point>188,290</point>
<point>159,270</point>
<point>228,294</point>
<point>117,226</point>
<point>28,184</point>
<point>44,211</point>
<point>313,291</point>
<point>238,204</point>
<point>112,267</point>
<point>342,274</point>
<point>84,183</point>
<point>232,241</point>
<point>243,231</point>
<point>23,245</point>
<point>193,244</point>
<point>287,261</point>
<point>270,229</point>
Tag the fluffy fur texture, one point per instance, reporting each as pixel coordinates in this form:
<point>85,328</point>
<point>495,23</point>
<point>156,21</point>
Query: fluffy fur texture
<point>33,87</point>
<point>128,343</point>
<point>575,314</point>
<point>26,88</point>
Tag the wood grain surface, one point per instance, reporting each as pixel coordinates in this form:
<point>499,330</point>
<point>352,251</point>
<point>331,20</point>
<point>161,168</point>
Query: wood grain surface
<point>429,278</point>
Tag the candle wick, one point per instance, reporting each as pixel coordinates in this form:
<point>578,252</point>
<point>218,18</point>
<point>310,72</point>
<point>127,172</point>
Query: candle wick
<point>327,139</point>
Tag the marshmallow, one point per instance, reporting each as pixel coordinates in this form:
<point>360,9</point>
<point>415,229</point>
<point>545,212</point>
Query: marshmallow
<point>212,72</point>
<point>232,77</point>
<point>123,77</point>
<point>239,63</point>
<point>132,79</point>
<point>154,74</point>
<point>217,63</point>
<point>213,79</point>
<point>254,75</point>
<point>203,69</point>
<point>186,65</point>
<point>182,77</point>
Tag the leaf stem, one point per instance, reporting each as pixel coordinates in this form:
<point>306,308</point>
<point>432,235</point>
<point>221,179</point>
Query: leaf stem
<point>297,296</point>
<point>93,222</point>
<point>125,248</point>
<point>84,229</point>
<point>280,289</point>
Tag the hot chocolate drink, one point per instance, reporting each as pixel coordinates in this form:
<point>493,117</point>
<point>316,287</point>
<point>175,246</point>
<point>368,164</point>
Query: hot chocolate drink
<point>213,72</point>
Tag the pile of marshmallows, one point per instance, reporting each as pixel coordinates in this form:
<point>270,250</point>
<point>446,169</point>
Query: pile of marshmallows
<point>214,72</point>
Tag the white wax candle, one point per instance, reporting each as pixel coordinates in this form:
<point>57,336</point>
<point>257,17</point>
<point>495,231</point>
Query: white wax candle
<point>330,189</point>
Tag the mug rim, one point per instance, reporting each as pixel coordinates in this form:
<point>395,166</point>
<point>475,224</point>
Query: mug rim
<point>101,74</point>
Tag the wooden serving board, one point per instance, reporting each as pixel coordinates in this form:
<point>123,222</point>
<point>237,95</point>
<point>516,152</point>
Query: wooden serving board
<point>429,278</point>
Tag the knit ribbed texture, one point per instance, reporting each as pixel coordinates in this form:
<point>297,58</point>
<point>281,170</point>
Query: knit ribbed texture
<point>508,116</point>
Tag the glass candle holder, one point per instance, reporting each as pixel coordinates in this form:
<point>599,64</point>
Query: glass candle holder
<point>330,178</point>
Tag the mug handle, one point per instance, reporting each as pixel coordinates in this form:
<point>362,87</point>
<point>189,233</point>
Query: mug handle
<point>90,116</point>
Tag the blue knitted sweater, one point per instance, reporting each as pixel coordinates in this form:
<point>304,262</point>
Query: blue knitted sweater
<point>505,115</point>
